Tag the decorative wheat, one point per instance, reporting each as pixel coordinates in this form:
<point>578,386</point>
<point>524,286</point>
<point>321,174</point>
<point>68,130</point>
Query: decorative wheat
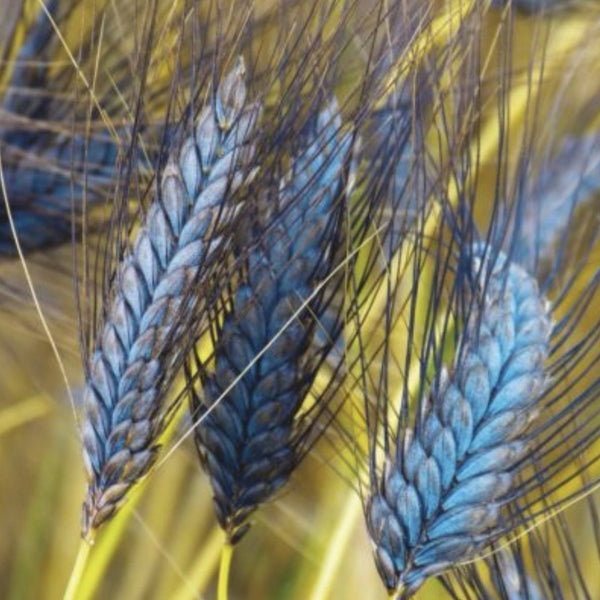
<point>137,351</point>
<point>441,494</point>
<point>255,432</point>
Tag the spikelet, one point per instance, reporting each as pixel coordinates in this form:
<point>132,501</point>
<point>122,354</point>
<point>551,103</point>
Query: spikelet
<point>148,321</point>
<point>442,490</point>
<point>252,430</point>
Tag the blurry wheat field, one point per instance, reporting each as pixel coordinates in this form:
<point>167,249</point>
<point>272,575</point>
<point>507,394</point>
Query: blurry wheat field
<point>311,542</point>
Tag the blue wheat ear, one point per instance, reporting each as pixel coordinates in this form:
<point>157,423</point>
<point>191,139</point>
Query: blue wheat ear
<point>549,229</point>
<point>461,461</point>
<point>35,49</point>
<point>48,166</point>
<point>252,428</point>
<point>390,151</point>
<point>539,222</point>
<point>148,320</point>
<point>545,229</point>
<point>41,187</point>
<point>440,495</point>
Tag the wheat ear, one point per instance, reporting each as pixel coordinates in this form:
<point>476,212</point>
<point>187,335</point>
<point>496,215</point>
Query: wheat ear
<point>441,494</point>
<point>46,166</point>
<point>137,350</point>
<point>255,432</point>
<point>568,181</point>
<point>41,188</point>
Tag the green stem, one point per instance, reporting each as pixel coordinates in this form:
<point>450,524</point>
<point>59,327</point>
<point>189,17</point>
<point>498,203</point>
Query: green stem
<point>77,572</point>
<point>226,555</point>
